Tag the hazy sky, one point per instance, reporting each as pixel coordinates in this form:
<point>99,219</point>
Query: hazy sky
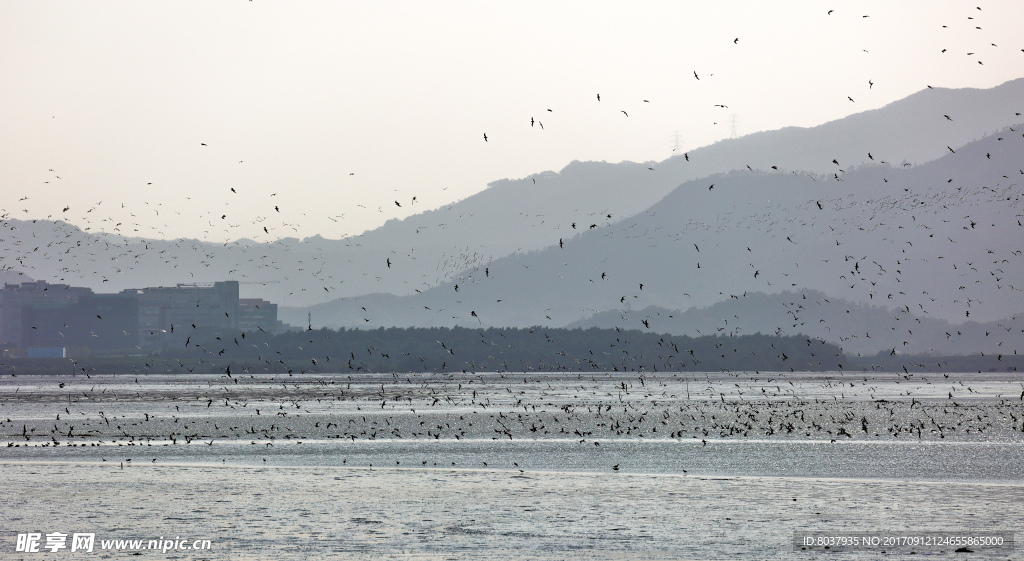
<point>332,111</point>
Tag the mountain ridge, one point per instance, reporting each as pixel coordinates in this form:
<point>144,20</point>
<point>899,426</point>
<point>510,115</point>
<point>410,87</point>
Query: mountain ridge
<point>510,217</point>
<point>896,233</point>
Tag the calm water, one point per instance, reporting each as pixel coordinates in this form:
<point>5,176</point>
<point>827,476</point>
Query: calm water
<point>611,466</point>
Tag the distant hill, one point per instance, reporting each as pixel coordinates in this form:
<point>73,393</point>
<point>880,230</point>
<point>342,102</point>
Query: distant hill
<point>13,276</point>
<point>939,240</point>
<point>512,217</point>
<point>856,328</point>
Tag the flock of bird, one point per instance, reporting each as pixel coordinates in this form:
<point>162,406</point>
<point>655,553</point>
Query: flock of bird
<point>869,233</point>
<point>796,213</point>
<point>112,413</point>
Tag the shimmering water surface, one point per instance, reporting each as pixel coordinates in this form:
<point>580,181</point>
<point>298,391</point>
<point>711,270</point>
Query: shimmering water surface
<point>656,465</point>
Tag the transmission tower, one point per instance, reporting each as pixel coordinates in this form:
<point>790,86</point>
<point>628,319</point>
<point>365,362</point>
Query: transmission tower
<point>732,126</point>
<point>678,149</point>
